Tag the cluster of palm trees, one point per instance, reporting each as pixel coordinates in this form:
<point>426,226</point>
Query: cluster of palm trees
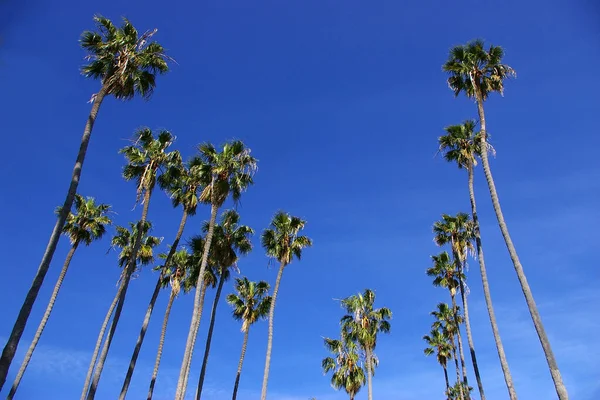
<point>127,64</point>
<point>476,71</point>
<point>354,359</point>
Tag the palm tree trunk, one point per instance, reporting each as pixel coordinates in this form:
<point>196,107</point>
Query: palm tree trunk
<point>460,346</point>
<point>88,377</point>
<point>369,365</point>
<point>487,294</point>
<point>263,395</point>
<point>446,378</point>
<point>43,322</point>
<point>561,390</point>
<point>121,293</point>
<point>213,315</point>
<point>161,343</point>
<point>197,313</point>
<point>8,353</point>
<point>469,335</point>
<point>240,364</point>
<point>140,340</point>
<point>461,397</point>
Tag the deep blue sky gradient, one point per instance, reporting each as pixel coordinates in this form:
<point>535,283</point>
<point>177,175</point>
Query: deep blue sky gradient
<point>342,103</point>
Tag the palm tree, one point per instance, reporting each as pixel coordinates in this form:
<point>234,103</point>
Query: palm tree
<point>458,232</point>
<point>126,64</point>
<point>282,242</point>
<point>250,303</point>
<point>227,172</point>
<point>348,373</point>
<point>173,276</point>
<point>462,146</point>
<point>229,239</point>
<point>446,321</point>
<point>479,72</point>
<point>445,275</point>
<point>183,184</point>
<point>146,157</point>
<point>86,225</point>
<point>362,324</point>
<point>439,343</point>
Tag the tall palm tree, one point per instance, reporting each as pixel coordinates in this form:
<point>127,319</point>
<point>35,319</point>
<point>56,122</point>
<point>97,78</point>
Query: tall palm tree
<point>363,323</point>
<point>230,239</point>
<point>438,343</point>
<point>147,157</point>
<point>446,321</point>
<point>173,276</point>
<point>86,225</point>
<point>250,303</point>
<point>458,232</point>
<point>348,373</point>
<point>229,171</point>
<point>126,63</point>
<point>462,146</point>
<point>124,239</point>
<point>281,242</point>
<point>183,184</point>
<point>479,72</point>
<point>445,275</point>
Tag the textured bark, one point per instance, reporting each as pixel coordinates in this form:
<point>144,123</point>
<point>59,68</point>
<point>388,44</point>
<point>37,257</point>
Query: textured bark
<point>561,390</point>
<point>42,325</point>
<point>460,347</point>
<point>240,364</point>
<point>369,365</point>
<point>140,340</point>
<point>461,397</point>
<point>263,395</point>
<point>487,294</point>
<point>197,312</point>
<point>213,316</point>
<point>8,353</point>
<point>161,344</point>
<point>121,292</point>
<point>446,379</point>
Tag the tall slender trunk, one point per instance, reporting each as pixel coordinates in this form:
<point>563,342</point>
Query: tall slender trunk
<point>88,377</point>
<point>461,397</point>
<point>468,328</point>
<point>8,353</point>
<point>213,316</point>
<point>240,364</point>
<point>197,313</point>
<point>446,378</point>
<point>140,340</point>
<point>121,292</point>
<point>161,344</point>
<point>263,395</point>
<point>460,347</point>
<point>43,322</point>
<point>561,390</point>
<point>487,294</point>
<point>369,365</point>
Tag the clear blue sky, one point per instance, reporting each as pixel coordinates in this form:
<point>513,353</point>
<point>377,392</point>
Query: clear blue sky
<point>342,102</point>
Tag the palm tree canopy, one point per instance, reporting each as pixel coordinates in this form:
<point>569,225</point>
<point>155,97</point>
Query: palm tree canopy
<point>231,171</point>
<point>146,156</point>
<point>363,322</point>
<point>444,272</point>
<point>461,144</point>
<point>471,66</point>
<point>445,320</point>
<point>184,182</point>
<point>281,241</point>
<point>439,344</point>
<point>229,239</point>
<point>177,270</point>
<point>251,301</point>
<point>196,245</point>
<point>89,221</point>
<point>125,62</point>
<point>348,373</point>
<point>458,231</point>
<point>125,238</point>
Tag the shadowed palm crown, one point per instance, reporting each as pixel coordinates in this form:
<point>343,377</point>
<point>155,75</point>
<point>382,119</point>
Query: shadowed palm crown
<point>125,238</point>
<point>444,272</point>
<point>461,144</point>
<point>124,61</point>
<point>281,241</point>
<point>446,320</point>
<point>348,373</point>
<point>89,221</point>
<point>458,231</point>
<point>228,171</point>
<point>363,322</point>
<point>184,182</point>
<point>177,270</point>
<point>196,245</point>
<point>439,344</point>
<point>250,302</point>
<point>472,66</point>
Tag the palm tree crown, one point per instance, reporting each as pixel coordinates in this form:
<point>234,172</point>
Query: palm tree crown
<point>348,373</point>
<point>458,231</point>
<point>250,302</point>
<point>282,241</point>
<point>363,322</point>
<point>444,272</point>
<point>123,60</point>
<point>89,221</point>
<point>471,66</point>
<point>229,239</point>
<point>461,145</point>
<point>439,344</point>
<point>124,239</point>
<point>184,182</point>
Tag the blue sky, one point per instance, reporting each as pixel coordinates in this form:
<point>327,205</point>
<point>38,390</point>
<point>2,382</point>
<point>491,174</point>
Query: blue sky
<point>342,103</point>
